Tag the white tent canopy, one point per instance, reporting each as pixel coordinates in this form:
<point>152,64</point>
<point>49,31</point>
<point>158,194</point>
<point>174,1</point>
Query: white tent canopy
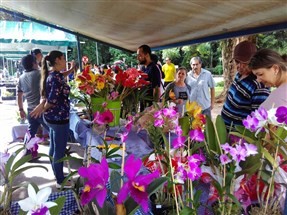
<point>161,23</point>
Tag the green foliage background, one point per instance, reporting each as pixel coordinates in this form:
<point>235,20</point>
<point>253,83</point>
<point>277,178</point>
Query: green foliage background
<point>209,52</point>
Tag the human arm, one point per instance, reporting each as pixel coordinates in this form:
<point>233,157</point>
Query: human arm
<point>20,104</point>
<point>40,108</point>
<point>68,72</point>
<point>156,94</point>
<point>212,97</point>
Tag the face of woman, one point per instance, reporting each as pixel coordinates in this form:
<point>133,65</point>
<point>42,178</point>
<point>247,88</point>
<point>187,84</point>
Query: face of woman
<point>267,76</point>
<point>61,62</point>
<point>181,75</point>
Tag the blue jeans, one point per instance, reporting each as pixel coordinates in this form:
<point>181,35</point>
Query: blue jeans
<point>33,125</point>
<point>207,112</point>
<point>58,142</point>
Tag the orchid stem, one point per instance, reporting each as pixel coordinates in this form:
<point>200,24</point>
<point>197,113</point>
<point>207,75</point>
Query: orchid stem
<point>172,176</point>
<point>123,163</point>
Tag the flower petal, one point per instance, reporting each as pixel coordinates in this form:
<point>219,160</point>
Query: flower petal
<point>43,194</point>
<point>32,193</point>
<point>123,193</point>
<point>132,166</point>
<point>26,204</point>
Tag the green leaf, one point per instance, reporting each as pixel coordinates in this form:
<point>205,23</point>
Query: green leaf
<point>132,206</point>
<point>187,211</point>
<point>8,165</point>
<point>112,151</point>
<point>19,171</point>
<point>114,156</point>
<point>114,166</point>
<point>234,199</point>
<point>210,135</point>
<point>24,160</point>
<point>217,187</point>
<point>115,181</point>
<point>250,165</point>
<point>196,197</point>
<point>269,157</point>
<point>221,129</point>
<point>60,204</point>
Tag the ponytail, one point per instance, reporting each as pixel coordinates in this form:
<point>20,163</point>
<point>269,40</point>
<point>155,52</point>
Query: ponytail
<point>44,75</point>
<point>51,59</point>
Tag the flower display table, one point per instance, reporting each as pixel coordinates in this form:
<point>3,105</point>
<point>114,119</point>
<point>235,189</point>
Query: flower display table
<point>136,143</point>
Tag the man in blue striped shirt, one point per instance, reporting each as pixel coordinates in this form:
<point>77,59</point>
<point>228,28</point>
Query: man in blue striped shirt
<point>245,94</point>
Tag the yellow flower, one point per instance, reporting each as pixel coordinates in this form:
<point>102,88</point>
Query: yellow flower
<point>193,109</point>
<point>171,95</point>
<point>100,85</point>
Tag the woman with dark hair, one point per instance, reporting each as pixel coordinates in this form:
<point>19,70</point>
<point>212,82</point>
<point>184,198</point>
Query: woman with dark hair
<point>56,109</point>
<point>271,69</point>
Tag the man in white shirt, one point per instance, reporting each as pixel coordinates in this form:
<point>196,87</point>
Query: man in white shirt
<point>202,86</point>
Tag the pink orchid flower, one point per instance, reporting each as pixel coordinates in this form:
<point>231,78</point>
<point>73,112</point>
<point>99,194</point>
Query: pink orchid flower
<point>97,176</point>
<point>136,185</point>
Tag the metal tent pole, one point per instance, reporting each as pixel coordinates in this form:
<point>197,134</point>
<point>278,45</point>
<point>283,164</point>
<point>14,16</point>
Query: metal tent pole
<point>79,52</point>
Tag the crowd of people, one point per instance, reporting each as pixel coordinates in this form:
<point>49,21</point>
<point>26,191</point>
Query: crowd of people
<point>47,93</point>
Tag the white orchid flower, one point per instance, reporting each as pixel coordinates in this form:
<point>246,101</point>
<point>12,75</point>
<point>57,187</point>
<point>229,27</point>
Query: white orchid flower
<point>37,201</point>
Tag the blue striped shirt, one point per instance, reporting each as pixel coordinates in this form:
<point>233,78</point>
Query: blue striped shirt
<point>244,96</point>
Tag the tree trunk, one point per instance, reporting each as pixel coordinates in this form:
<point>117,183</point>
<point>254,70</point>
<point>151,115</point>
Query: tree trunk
<point>228,65</point>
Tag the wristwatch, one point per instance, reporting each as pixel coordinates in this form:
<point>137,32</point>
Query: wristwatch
<point>21,109</point>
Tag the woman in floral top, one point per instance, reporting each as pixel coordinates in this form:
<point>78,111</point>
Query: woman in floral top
<point>56,109</point>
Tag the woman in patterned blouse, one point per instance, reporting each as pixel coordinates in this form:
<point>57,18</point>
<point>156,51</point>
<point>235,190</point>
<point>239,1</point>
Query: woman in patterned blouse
<point>56,108</point>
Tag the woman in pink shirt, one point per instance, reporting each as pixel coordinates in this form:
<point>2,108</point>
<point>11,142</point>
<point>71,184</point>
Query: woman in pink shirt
<point>271,69</point>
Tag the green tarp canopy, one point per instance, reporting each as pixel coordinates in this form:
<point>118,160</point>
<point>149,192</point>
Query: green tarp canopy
<point>18,38</point>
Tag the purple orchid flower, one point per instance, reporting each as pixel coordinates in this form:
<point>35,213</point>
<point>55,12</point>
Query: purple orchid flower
<point>281,114</point>
<point>41,211</point>
<point>226,147</point>
<point>137,184</point>
<point>238,153</point>
<point>158,122</point>
<point>103,118</point>
<point>224,159</point>
<point>194,172</point>
<point>196,135</point>
<point>178,142</point>
<point>250,149</point>
<point>178,130</point>
<point>169,112</point>
<point>196,159</point>
<point>123,136</point>
<point>157,114</point>
<point>129,123</point>
<point>97,177</point>
<point>250,123</point>
<point>32,145</point>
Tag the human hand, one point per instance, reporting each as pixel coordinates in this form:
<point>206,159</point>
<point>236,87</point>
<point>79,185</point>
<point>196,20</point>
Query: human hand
<point>22,114</point>
<point>179,101</point>
<point>38,110</point>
